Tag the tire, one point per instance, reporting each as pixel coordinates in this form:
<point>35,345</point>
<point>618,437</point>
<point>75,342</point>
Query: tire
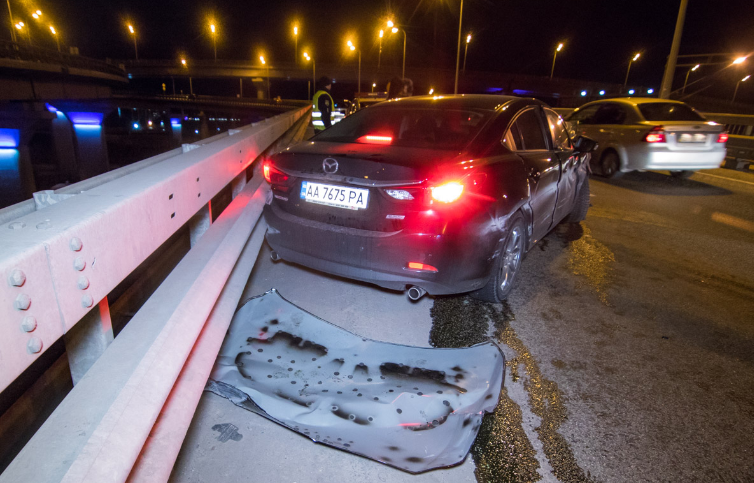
<point>681,174</point>
<point>610,164</point>
<point>506,265</point>
<point>581,205</point>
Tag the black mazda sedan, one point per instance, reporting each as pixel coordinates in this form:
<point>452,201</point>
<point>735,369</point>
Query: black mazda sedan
<point>436,195</point>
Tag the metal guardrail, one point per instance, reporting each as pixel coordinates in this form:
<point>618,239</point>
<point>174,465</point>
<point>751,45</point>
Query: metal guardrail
<point>59,261</point>
<point>19,51</point>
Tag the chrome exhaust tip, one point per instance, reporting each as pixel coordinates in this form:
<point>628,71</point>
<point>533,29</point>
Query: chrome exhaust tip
<point>415,293</point>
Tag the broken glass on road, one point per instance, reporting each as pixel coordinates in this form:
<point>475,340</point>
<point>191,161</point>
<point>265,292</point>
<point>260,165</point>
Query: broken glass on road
<point>409,407</point>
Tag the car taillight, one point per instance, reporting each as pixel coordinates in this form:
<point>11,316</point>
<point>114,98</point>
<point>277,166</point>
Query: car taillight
<point>447,192</point>
<point>421,266</point>
<point>722,137</point>
<point>375,139</point>
<point>656,135</point>
<point>272,175</point>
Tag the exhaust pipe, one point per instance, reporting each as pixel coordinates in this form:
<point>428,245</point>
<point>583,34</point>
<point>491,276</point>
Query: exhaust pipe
<point>274,256</point>
<point>415,293</point>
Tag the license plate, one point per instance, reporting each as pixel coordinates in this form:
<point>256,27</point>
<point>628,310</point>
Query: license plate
<point>338,196</point>
<point>692,138</point>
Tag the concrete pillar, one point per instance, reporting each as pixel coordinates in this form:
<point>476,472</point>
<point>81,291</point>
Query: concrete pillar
<point>176,126</point>
<point>88,339</point>
<point>91,150</point>
<point>65,151</point>
<point>199,223</point>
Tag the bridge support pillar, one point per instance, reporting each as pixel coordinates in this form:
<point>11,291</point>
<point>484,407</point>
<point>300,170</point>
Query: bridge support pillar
<point>199,223</point>
<point>65,152</point>
<point>88,339</point>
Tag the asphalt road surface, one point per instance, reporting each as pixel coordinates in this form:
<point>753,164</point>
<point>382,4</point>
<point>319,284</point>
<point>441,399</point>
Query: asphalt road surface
<point>629,340</point>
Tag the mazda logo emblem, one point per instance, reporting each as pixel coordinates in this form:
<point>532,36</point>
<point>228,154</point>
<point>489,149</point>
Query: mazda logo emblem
<point>329,165</point>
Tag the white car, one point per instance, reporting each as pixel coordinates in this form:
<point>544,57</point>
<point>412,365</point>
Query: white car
<point>648,133</point>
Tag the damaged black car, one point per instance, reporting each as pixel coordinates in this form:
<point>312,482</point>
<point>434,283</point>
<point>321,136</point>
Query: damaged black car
<point>437,195</point>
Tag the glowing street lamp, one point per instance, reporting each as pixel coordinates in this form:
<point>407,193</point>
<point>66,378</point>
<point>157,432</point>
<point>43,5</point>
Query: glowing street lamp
<point>634,59</point>
<point>57,38</point>
<point>20,26</point>
<point>738,84</point>
<point>394,30</point>
<point>693,69</point>
<point>466,51</point>
<point>295,44</point>
<point>37,14</point>
<point>379,55</point>
<point>261,59</point>
<point>555,56</point>
<point>353,47</point>
<point>739,60</point>
<point>133,32</point>
<point>214,38</point>
<point>314,72</point>
<point>431,90</point>
<point>374,84</point>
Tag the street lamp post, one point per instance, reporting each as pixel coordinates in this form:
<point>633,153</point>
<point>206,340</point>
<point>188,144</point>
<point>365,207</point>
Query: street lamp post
<point>214,38</point>
<point>736,90</point>
<point>12,24</point>
<point>379,55</point>
<point>466,51</point>
<point>191,83</point>
<point>633,59</point>
<point>353,47</point>
<point>394,30</point>
<point>555,56</point>
<point>21,26</point>
<point>314,73</point>
<point>295,44</point>
<point>686,81</point>
<point>261,58</point>
<point>458,50</point>
<point>57,38</point>
<point>373,86</point>
<point>133,33</point>
<point>667,77</point>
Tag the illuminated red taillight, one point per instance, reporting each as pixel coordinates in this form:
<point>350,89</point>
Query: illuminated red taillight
<point>375,139</point>
<point>266,171</point>
<point>656,135</point>
<point>722,137</point>
<point>272,175</point>
<point>421,266</point>
<point>447,192</point>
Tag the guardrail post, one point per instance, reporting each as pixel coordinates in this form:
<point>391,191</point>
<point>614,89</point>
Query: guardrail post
<point>200,222</point>
<point>87,340</point>
<point>238,184</point>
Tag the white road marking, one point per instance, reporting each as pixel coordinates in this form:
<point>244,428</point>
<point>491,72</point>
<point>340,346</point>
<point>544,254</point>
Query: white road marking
<point>733,221</point>
<point>727,179</point>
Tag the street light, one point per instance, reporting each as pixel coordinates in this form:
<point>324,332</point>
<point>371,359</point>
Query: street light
<point>458,50</point>
<point>687,76</point>
<point>133,32</point>
<point>12,32</point>
<point>379,55</point>
<point>431,90</point>
<point>353,47</point>
<point>739,60</point>
<point>261,58</point>
<point>314,73</point>
<point>295,44</point>
<point>191,81</point>
<point>466,51</point>
<point>36,14</point>
<point>394,30</point>
<point>214,38</point>
<point>57,38</point>
<point>634,59</point>
<point>21,26</point>
<point>736,90</point>
<point>555,56</point>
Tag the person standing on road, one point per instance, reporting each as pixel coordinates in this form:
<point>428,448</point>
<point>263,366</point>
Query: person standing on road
<point>322,104</point>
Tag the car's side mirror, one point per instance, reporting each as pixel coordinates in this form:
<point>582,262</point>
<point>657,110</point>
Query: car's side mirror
<point>585,145</point>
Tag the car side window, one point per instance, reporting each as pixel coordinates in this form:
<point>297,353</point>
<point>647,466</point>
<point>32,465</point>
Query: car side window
<point>584,116</point>
<point>512,138</point>
<point>558,130</point>
<point>532,134</point>
<point>609,114</point>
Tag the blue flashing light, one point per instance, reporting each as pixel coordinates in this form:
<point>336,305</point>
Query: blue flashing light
<point>602,93</point>
<point>523,92</point>
<point>583,93</point>
<point>87,127</point>
<point>9,138</point>
<point>50,108</point>
<point>136,125</point>
<point>650,91</point>
<point>91,118</point>
<point>494,90</point>
<point>196,131</point>
<point>130,76</point>
<point>631,92</point>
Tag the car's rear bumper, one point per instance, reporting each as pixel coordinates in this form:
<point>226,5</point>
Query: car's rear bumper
<point>675,160</point>
<point>376,257</point>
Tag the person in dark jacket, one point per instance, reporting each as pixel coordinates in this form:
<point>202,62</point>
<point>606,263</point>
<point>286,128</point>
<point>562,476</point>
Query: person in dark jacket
<point>322,105</point>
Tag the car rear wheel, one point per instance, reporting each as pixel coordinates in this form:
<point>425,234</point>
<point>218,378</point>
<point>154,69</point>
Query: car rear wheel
<point>507,264</point>
<point>581,205</point>
<point>610,164</point>
<point>681,174</point>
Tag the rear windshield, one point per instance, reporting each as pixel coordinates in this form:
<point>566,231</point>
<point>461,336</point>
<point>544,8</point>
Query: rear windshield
<point>409,127</point>
<point>668,111</point>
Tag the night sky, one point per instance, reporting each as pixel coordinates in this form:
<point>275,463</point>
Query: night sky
<point>512,36</point>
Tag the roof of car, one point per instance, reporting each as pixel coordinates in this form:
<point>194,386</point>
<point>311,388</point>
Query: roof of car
<point>461,101</point>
